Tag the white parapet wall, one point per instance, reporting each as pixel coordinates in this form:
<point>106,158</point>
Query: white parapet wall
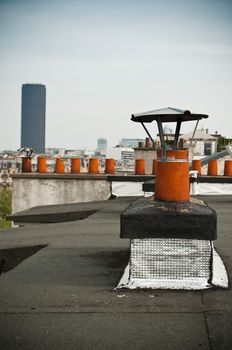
<point>30,190</point>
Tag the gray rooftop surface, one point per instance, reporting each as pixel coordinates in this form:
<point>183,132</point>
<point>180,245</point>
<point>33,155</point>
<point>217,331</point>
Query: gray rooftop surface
<point>56,290</point>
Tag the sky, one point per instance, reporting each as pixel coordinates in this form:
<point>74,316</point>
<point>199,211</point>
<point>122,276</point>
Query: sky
<point>102,60</point>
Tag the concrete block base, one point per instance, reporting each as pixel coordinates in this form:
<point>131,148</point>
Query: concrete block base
<point>147,218</point>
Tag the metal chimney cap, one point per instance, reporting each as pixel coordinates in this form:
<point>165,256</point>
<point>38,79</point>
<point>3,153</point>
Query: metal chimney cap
<point>167,115</point>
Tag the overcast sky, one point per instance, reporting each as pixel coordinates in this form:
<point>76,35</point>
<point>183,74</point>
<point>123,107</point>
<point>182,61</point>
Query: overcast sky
<point>102,60</point>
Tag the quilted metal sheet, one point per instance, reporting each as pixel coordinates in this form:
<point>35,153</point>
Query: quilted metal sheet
<point>174,259</point>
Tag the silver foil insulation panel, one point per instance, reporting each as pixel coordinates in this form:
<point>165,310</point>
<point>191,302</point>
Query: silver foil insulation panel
<point>162,263</point>
<point>170,259</point>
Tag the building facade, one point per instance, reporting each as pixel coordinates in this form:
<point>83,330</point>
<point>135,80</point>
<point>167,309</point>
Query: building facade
<point>33,112</point>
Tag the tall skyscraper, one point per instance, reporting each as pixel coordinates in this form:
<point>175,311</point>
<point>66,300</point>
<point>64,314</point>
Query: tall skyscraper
<point>33,117</point>
<point>101,144</point>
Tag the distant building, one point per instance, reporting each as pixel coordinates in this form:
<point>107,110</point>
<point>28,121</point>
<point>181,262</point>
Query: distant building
<point>114,152</point>
<point>8,165</point>
<point>33,117</point>
<point>5,176</point>
<point>133,143</point>
<point>123,156</point>
<point>55,151</point>
<point>101,144</point>
<point>203,142</point>
<point>127,154</point>
<point>74,153</point>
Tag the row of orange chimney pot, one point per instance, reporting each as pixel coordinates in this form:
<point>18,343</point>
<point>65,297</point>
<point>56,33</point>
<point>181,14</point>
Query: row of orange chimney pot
<point>110,166</point>
<point>75,165</point>
<point>196,165</point>
<point>213,167</point>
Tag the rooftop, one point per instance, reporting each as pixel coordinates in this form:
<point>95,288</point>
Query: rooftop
<point>57,280</point>
<point>200,134</point>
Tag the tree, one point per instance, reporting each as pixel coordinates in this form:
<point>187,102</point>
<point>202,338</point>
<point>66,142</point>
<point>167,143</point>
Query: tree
<point>5,202</point>
<point>222,143</point>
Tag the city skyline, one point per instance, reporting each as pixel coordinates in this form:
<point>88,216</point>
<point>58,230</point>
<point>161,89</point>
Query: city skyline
<point>101,61</point>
